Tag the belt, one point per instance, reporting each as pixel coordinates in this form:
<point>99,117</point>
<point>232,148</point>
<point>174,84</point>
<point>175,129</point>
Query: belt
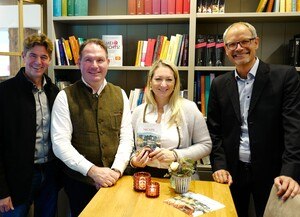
<point>245,164</point>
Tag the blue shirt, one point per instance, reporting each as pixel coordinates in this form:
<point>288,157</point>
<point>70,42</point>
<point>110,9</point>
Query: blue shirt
<point>245,87</point>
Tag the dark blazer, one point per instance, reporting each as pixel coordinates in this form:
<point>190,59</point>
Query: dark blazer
<point>18,135</point>
<point>273,123</point>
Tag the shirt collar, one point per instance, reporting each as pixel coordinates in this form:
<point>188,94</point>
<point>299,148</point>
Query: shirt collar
<point>100,88</point>
<point>252,72</point>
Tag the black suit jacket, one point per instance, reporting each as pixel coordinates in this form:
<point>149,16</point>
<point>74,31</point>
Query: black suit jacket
<point>273,123</point>
<point>18,135</point>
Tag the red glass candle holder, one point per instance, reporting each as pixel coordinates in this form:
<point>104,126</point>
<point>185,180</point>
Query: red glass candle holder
<point>140,180</point>
<point>152,189</point>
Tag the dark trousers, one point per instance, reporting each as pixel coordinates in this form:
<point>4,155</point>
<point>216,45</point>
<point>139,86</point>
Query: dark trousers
<point>44,192</point>
<point>79,194</point>
<point>242,188</point>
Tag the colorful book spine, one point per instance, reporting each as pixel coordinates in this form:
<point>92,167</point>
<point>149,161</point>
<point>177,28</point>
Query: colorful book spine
<point>57,8</point>
<point>186,6</point>
<point>64,7</point>
<point>74,48</point>
<point>80,7</point>
<point>179,7</point>
<point>132,7</point>
<point>270,6</point>
<point>70,7</point>
<point>164,6</point>
<point>156,6</point>
<point>148,7</point>
<point>171,7</point>
<point>261,6</point>
<point>150,51</point>
<point>140,6</point>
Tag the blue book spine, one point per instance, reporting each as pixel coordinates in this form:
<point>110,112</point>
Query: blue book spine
<point>56,8</point>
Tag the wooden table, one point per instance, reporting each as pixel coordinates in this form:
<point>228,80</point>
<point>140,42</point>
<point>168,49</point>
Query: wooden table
<point>122,200</point>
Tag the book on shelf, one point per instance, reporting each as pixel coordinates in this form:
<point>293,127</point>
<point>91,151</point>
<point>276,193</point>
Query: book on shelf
<point>185,55</point>
<point>186,6</point>
<point>64,7</point>
<point>164,49</point>
<point>210,50</point>
<point>69,54</point>
<point>70,7</point>
<point>150,51</point>
<point>58,61</point>
<point>148,6</point>
<point>197,89</point>
<point>282,6</point>
<point>220,51</point>
<point>74,48</point>
<point>270,6</point>
<point>144,51</point>
<point>61,57</point>
<point>298,6</point>
<point>261,5</point>
<point>179,6</point>
<point>222,6</point>
<point>57,8</point>
<point>138,53</point>
<point>81,7</point>
<point>136,97</point>
<point>164,6</point>
<point>202,94</point>
<point>171,7</point>
<point>288,5</point>
<point>297,51</point>
<point>140,6</point>
<point>64,50</point>
<point>156,6</point>
<point>131,7</point>
<point>114,44</point>
<point>200,51</point>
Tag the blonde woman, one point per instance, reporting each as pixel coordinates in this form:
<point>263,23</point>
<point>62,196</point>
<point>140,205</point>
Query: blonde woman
<point>179,127</point>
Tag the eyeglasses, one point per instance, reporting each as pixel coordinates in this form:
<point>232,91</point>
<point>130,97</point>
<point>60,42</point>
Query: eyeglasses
<point>244,43</point>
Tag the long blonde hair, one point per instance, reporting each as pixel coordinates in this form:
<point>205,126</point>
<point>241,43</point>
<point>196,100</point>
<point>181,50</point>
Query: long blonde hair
<point>175,98</point>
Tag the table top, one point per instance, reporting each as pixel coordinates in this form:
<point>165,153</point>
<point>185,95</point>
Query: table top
<point>122,200</point>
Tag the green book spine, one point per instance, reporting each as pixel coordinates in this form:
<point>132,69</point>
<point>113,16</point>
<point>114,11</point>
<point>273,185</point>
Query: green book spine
<point>81,7</point>
<point>70,7</point>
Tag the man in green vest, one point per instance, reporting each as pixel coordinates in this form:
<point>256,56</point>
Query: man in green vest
<point>91,128</point>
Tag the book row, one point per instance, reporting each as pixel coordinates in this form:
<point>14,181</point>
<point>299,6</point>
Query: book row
<point>209,50</point>
<point>174,50</point>
<point>211,6</point>
<point>278,6</point>
<point>158,7</point>
<point>294,51</point>
<point>67,50</point>
<point>70,8</point>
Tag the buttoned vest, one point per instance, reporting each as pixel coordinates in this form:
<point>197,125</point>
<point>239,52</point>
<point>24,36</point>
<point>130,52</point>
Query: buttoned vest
<point>96,124</point>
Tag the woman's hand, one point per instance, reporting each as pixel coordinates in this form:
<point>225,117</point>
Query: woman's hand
<point>162,155</point>
<point>141,158</point>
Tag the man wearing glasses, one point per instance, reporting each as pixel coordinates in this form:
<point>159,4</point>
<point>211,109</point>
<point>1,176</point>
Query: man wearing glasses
<point>254,123</point>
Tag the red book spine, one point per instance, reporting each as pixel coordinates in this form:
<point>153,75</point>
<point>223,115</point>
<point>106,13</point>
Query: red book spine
<point>156,6</point>
<point>140,6</point>
<point>148,6</point>
<point>164,6</point>
<point>186,6</point>
<point>179,7</point>
<point>150,51</point>
<point>131,6</point>
<point>171,6</point>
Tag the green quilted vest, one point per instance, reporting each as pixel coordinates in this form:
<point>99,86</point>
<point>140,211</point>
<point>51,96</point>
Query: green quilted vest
<point>96,124</point>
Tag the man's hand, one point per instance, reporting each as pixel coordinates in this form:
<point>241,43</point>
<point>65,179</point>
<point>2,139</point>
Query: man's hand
<point>286,187</point>
<point>222,176</point>
<point>6,204</point>
<point>103,176</point>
